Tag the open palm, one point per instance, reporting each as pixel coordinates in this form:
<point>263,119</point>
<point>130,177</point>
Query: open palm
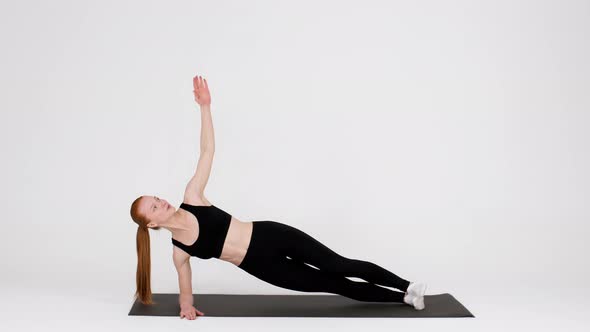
<point>201,91</point>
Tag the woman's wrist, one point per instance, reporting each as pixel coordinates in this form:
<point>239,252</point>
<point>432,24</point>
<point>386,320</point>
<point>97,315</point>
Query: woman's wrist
<point>207,106</point>
<point>186,304</point>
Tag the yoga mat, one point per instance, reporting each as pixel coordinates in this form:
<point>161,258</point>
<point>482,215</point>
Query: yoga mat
<point>247,305</point>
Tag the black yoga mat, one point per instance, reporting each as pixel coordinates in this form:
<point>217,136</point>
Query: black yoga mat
<point>246,305</point>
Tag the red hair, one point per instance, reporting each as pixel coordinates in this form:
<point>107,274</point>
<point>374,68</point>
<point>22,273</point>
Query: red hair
<point>143,276</point>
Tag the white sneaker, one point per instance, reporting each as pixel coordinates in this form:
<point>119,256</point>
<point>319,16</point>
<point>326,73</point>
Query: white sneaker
<point>415,295</point>
<point>416,301</point>
<point>409,299</point>
<point>417,289</point>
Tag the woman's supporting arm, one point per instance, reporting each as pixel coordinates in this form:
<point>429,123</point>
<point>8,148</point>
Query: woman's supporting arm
<point>186,290</point>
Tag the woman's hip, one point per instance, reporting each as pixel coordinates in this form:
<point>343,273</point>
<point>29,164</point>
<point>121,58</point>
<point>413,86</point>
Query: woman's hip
<point>265,244</point>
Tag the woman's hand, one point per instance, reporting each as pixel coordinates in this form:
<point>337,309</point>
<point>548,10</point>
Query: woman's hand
<point>201,91</point>
<point>189,312</point>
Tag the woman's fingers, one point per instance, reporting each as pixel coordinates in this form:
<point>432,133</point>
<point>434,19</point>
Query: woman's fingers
<point>199,82</point>
<point>196,83</point>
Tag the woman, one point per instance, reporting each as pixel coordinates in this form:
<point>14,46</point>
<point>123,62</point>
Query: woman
<point>271,251</point>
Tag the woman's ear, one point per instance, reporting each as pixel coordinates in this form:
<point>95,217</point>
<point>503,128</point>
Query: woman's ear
<point>152,225</point>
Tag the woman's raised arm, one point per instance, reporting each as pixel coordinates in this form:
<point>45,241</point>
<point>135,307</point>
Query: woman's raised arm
<point>203,98</point>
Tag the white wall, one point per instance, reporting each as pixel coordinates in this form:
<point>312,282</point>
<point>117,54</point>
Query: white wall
<point>444,141</point>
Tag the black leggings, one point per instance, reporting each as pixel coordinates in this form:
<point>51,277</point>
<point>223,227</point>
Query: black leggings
<point>267,260</point>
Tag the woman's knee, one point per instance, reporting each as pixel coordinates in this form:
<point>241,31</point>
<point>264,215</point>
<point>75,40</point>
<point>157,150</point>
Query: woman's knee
<point>340,265</point>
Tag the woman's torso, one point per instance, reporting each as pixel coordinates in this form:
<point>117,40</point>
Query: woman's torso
<point>237,239</point>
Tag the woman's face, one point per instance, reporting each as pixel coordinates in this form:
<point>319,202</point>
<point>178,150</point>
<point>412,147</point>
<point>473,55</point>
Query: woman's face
<point>157,209</point>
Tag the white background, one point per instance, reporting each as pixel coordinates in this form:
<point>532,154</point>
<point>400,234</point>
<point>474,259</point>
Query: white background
<point>446,141</point>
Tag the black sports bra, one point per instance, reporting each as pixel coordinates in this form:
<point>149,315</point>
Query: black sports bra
<point>213,226</point>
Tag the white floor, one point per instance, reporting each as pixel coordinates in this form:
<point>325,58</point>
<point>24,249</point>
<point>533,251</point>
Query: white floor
<point>40,309</point>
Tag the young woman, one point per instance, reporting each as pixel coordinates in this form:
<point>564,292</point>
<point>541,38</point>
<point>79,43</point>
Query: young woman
<point>269,250</point>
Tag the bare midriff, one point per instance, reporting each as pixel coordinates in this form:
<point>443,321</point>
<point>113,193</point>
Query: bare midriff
<point>237,241</point>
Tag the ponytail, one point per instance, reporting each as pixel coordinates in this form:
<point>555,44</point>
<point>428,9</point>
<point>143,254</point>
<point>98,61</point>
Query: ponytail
<point>143,275</point>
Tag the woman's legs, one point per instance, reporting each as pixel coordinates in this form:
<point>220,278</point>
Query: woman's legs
<point>291,274</point>
<point>302,247</point>
<point>267,260</point>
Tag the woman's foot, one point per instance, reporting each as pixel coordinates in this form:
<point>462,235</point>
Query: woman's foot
<point>415,295</point>
<point>416,301</point>
<point>417,289</point>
